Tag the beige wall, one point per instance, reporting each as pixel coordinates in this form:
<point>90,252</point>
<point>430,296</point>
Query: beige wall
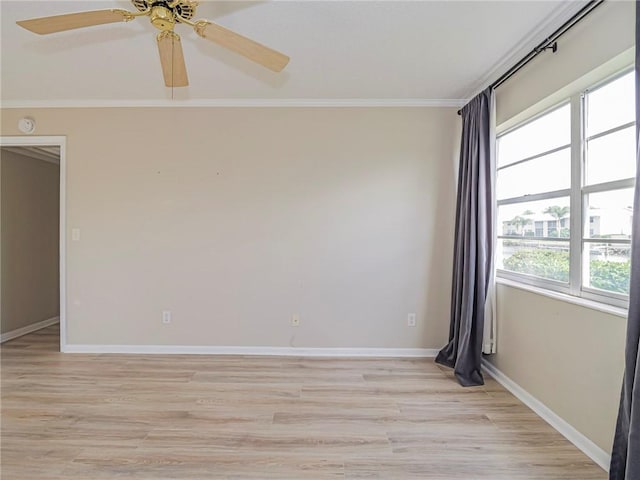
<point>569,357</point>
<point>234,219</point>
<point>29,204</point>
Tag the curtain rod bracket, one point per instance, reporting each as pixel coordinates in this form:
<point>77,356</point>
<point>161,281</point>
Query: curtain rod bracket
<point>553,47</point>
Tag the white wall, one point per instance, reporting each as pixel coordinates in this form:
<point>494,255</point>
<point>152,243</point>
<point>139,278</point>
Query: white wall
<point>234,219</point>
<point>568,356</point>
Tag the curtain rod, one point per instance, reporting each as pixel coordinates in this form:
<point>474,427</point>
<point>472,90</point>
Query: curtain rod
<point>550,43</point>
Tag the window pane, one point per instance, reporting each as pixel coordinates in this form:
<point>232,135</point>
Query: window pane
<point>534,176</point>
<point>607,266</point>
<point>544,259</point>
<point>544,218</point>
<point>612,157</point>
<point>550,131</point>
<point>609,214</point>
<point>611,105</point>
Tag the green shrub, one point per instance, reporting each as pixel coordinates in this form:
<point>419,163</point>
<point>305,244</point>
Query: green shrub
<point>554,265</point>
<point>611,276</point>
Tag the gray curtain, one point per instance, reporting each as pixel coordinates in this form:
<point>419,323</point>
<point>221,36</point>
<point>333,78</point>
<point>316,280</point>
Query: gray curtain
<point>473,245</point>
<point>625,457</point>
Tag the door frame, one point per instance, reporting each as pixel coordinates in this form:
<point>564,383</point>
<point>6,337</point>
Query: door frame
<point>60,141</point>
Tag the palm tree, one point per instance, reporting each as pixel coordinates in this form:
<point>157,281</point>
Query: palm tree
<point>558,213</point>
<point>519,222</point>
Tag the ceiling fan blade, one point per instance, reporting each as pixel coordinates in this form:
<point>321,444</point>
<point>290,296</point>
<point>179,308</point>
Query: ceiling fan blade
<point>69,21</point>
<point>246,47</point>
<point>172,60</point>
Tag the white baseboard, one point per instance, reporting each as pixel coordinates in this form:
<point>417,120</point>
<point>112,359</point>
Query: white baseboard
<point>259,351</point>
<point>589,448</point>
<point>28,329</point>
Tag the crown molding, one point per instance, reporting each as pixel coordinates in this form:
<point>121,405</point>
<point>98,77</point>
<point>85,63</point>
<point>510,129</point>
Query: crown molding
<point>547,26</point>
<point>37,153</point>
<point>240,103</point>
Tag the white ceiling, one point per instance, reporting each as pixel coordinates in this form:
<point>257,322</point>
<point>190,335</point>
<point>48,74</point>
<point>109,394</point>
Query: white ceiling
<point>434,52</point>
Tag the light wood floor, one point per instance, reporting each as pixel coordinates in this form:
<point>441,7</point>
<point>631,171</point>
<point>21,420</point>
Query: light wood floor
<point>156,417</point>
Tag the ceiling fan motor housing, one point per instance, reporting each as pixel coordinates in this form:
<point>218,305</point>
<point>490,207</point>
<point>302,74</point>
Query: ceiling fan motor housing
<point>162,18</point>
<point>165,13</point>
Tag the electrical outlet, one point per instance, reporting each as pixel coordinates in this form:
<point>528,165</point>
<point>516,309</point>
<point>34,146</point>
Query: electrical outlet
<point>295,320</point>
<point>166,317</point>
<point>411,320</point>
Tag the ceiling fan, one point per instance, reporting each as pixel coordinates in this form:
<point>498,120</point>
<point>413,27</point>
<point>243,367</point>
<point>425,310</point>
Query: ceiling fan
<point>164,15</point>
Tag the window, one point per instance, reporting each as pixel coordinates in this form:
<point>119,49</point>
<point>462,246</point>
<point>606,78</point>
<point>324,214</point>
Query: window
<point>539,229</point>
<point>565,195</point>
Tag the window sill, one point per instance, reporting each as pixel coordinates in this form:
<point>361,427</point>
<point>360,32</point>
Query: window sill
<point>583,302</point>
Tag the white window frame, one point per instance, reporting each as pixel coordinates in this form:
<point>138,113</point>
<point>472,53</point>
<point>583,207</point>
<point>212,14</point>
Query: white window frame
<point>578,217</point>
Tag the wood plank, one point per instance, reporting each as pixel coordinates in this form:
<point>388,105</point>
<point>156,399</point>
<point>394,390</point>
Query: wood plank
<point>150,417</point>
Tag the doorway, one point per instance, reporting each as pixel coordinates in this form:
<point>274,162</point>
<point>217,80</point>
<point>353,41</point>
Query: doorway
<point>32,235</point>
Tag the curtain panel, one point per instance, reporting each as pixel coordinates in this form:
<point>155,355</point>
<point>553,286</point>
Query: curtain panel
<point>625,456</point>
<point>473,244</point>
